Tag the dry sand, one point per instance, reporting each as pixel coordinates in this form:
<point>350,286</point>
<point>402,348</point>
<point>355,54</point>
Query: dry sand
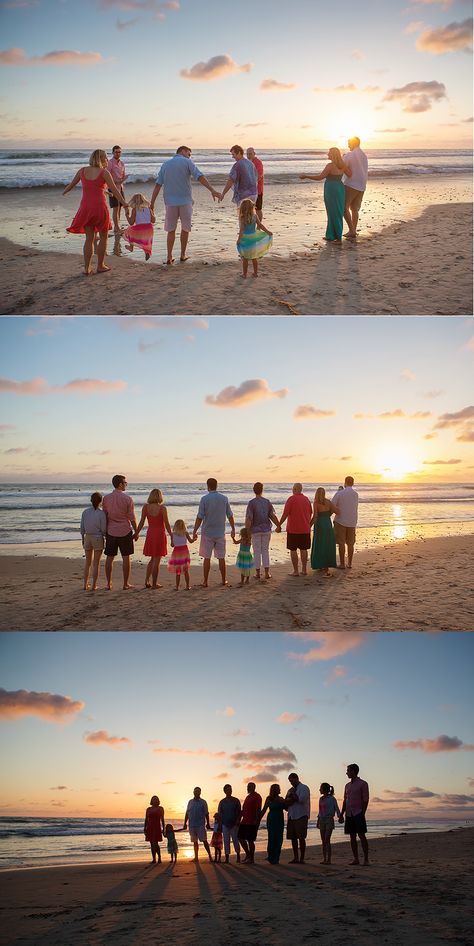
<point>422,266</point>
<point>409,586</point>
<point>416,893</point>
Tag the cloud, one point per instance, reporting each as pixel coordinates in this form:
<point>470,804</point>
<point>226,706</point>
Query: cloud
<point>272,85</point>
<point>126,24</point>
<point>439,744</point>
<point>407,375</point>
<point>414,792</point>
<point>467,436</point>
<point>357,54</point>
<point>265,764</point>
<point>447,39</point>
<point>417,96</point>
<point>159,8</point>
<point>469,346</point>
<point>59,788</point>
<point>63,57</point>
<point>327,645</point>
<point>6,428</point>
<point>397,414</point>
<point>103,738</point>
<point>284,456</point>
<point>390,130</point>
<point>215,68</point>
<point>78,386</point>
<point>440,462</point>
<point>174,750</point>
<point>16,450</point>
<point>288,718</point>
<point>250,124</point>
<point>305,411</point>
<point>336,674</point>
<point>240,732</point>
<point>52,707</point>
<point>455,419</point>
<point>436,392</point>
<point>256,389</point>
<point>228,711</point>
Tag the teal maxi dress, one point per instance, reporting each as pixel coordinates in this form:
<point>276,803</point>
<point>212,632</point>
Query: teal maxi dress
<point>334,199</point>
<point>323,550</point>
<point>275,826</point>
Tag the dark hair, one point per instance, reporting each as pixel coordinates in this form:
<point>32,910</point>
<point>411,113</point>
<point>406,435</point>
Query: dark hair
<point>183,148</point>
<point>116,146</point>
<point>326,787</point>
<point>211,483</point>
<point>349,480</point>
<point>237,148</point>
<point>354,767</point>
<point>117,480</point>
<point>227,786</point>
<point>293,775</point>
<point>258,488</point>
<point>96,500</point>
<point>251,784</point>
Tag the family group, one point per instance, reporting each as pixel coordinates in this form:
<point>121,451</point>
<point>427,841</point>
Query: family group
<point>110,524</point>
<point>239,823</point>
<point>345,181</point>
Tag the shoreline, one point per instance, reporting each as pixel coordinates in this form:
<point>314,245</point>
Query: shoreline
<point>415,891</point>
<point>376,594</point>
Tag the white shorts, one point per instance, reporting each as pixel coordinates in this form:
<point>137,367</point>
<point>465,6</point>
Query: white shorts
<point>93,542</point>
<point>198,834</point>
<point>184,213</point>
<point>208,545</point>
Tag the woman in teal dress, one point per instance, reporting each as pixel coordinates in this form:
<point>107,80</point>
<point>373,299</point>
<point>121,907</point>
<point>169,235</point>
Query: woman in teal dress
<point>323,550</point>
<point>275,805</point>
<point>334,193</point>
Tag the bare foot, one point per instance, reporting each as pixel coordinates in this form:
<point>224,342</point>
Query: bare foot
<point>126,587</point>
<point>108,588</point>
<point>87,272</point>
<point>182,259</point>
<point>170,261</point>
<point>203,584</point>
<point>156,586</point>
<point>87,587</point>
<point>294,574</point>
<point>354,864</point>
<point>103,269</point>
<point>294,861</point>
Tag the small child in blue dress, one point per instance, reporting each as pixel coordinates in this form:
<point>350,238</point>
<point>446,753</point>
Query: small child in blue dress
<point>172,842</point>
<point>244,559</point>
<point>254,240</point>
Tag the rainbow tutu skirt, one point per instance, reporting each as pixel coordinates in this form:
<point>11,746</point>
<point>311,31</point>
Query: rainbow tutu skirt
<point>141,234</point>
<point>180,560</point>
<point>254,245</point>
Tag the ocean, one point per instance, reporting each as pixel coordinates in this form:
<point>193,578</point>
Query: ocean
<point>54,168</point>
<point>42,842</point>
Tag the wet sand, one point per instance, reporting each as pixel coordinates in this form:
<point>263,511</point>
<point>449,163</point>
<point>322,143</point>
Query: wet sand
<point>421,585</point>
<point>415,892</point>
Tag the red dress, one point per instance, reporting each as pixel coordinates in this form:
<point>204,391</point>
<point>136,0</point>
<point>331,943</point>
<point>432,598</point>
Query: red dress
<point>153,823</point>
<point>93,210</point>
<point>155,542</point>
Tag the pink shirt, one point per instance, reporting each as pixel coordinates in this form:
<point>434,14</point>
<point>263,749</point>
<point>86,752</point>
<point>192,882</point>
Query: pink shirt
<point>117,170</point>
<point>259,169</point>
<point>119,510</point>
<point>356,795</point>
<point>299,511</point>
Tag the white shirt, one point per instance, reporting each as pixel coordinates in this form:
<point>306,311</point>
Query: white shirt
<point>347,501</point>
<point>302,807</point>
<point>359,166</point>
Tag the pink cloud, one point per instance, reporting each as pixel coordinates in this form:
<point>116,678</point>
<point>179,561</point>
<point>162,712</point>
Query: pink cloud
<point>305,411</point>
<point>265,764</point>
<point>175,750</point>
<point>159,7</point>
<point>447,39</point>
<point>456,418</point>
<point>287,718</point>
<point>52,707</point>
<point>256,389</point>
<point>39,386</point>
<point>228,711</point>
<point>440,462</point>
<point>215,68</point>
<point>103,738</point>
<point>327,645</point>
<point>272,85</point>
<point>439,744</point>
<point>63,57</point>
<point>397,414</point>
<point>417,96</point>
<point>336,674</point>
<point>59,788</point>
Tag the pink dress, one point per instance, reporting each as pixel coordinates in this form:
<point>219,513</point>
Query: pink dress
<point>180,558</point>
<point>155,542</point>
<point>93,210</point>
<point>141,232</point>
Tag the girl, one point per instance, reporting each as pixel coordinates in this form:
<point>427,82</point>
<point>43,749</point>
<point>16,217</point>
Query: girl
<point>155,543</point>
<point>244,560</point>
<point>250,243</point>
<point>217,838</point>
<point>334,193</point>
<point>93,531</point>
<point>180,559</point>
<point>328,808</point>
<point>153,827</point>
<point>93,215</point>
<point>140,229</point>
<point>172,843</point>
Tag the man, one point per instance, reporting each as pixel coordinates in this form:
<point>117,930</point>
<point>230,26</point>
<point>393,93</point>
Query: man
<point>298,510</point>
<point>249,821</point>
<point>197,814</point>
<point>229,811</point>
<point>258,165</point>
<point>347,502</point>
<point>117,171</point>
<point>121,529</point>
<point>355,185</point>
<point>175,177</point>
<point>213,511</point>
<point>354,806</point>
<point>298,799</point>
<point>258,520</point>
<point>242,178</point>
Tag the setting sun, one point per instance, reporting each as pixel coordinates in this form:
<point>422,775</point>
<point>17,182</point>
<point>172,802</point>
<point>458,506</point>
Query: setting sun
<point>396,463</point>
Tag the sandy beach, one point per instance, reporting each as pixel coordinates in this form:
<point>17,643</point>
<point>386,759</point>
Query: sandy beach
<point>408,260</point>
<point>421,585</point>
<point>416,891</point>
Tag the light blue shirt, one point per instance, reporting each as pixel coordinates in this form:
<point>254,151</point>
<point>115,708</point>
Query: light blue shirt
<point>93,522</point>
<point>213,509</point>
<point>175,178</point>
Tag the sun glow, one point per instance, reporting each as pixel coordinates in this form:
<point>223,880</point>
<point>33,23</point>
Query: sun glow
<point>395,464</point>
<point>345,122</point>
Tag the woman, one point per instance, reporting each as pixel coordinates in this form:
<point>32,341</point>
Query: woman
<point>93,214</point>
<point>154,511</point>
<point>154,827</point>
<point>93,531</point>
<point>275,805</point>
<point>323,549</point>
<point>334,193</point>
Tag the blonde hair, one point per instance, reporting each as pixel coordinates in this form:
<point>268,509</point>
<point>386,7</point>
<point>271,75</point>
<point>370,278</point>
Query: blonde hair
<point>246,211</point>
<point>336,157</point>
<point>320,494</point>
<point>156,496</point>
<point>180,527</point>
<point>138,201</point>
<point>98,159</point>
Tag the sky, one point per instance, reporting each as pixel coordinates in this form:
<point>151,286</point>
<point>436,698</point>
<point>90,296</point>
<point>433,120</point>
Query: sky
<point>281,398</point>
<point>147,73</point>
<point>94,724</point>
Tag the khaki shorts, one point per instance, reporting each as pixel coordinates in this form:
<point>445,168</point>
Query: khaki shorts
<point>353,198</point>
<point>184,213</point>
<point>345,535</point>
<point>208,545</point>
<point>297,828</point>
<point>94,542</point>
